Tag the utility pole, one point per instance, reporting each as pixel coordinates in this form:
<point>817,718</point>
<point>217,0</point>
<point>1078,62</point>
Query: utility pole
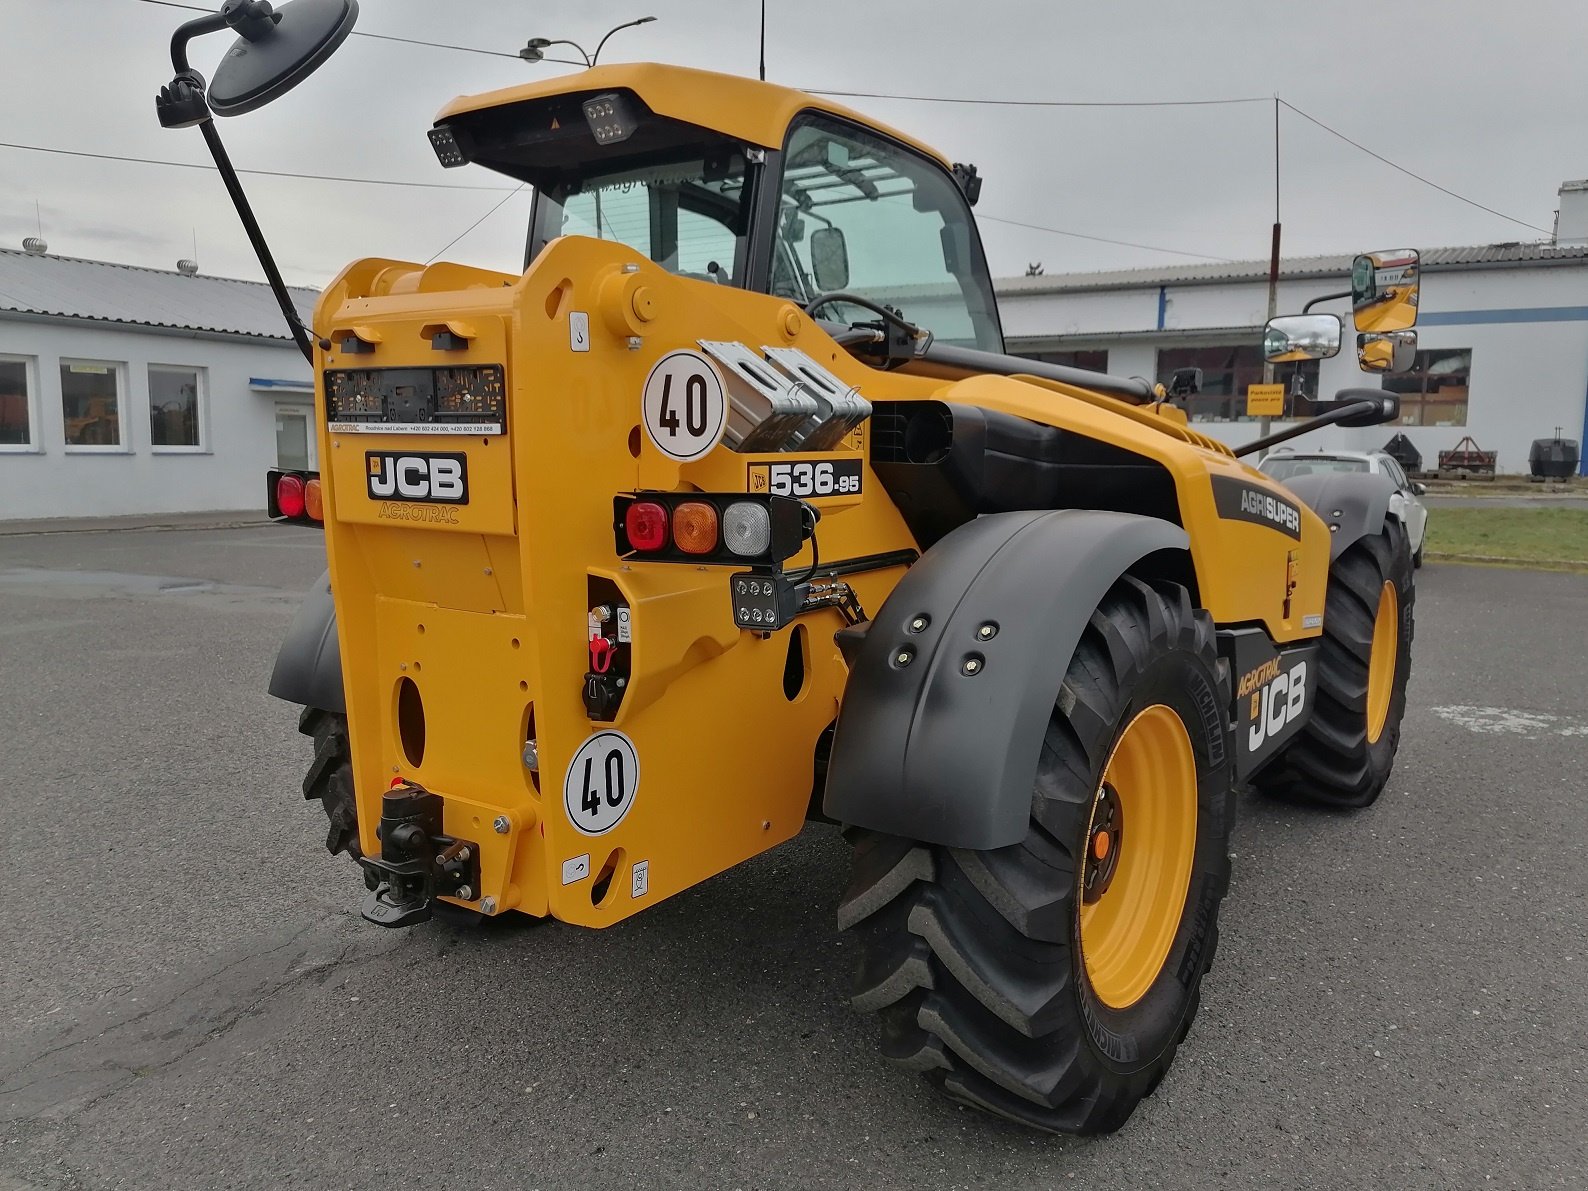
<point>1273,262</point>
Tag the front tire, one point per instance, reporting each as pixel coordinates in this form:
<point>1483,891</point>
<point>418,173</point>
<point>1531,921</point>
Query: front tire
<point>1342,756</point>
<point>1051,981</point>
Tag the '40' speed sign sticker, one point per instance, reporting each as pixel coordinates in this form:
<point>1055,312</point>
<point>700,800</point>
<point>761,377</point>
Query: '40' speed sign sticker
<point>601,782</point>
<point>686,409</point>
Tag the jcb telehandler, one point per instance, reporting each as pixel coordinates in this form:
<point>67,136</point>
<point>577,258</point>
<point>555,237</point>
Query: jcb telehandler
<point>728,512</point>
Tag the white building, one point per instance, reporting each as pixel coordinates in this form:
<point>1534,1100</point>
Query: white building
<point>128,390</point>
<point>1502,338</point>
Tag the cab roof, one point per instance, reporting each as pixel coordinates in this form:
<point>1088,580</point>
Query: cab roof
<point>754,112</point>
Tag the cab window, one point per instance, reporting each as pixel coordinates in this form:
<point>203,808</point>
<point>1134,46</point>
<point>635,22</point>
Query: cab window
<point>860,213</point>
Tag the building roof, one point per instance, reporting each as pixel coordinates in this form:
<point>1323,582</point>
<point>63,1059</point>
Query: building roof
<point>68,287</point>
<point>1296,267</point>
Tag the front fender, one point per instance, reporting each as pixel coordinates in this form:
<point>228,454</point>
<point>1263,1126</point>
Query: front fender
<point>924,749</point>
<point>1353,504</point>
<point>308,668</point>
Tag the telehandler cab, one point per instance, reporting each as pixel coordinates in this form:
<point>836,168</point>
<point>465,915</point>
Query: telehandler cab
<point>729,512</point>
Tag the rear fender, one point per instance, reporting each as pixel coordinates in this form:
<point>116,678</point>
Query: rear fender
<point>309,664</point>
<point>933,749</point>
<point>1353,504</point>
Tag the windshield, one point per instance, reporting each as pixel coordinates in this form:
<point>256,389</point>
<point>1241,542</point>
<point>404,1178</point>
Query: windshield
<point>687,214</point>
<point>1286,468</point>
<point>862,214</point>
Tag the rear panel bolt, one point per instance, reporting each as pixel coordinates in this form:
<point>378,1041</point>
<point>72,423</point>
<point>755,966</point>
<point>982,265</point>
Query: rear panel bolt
<point>987,631</point>
<point>635,343</point>
<point>904,657</point>
<point>501,824</point>
<point>488,905</point>
<point>918,625</point>
<point>531,756</point>
<point>972,666</point>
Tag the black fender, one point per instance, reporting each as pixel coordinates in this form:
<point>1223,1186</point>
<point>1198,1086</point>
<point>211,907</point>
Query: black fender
<point>309,664</point>
<point>1353,504</point>
<point>941,727</point>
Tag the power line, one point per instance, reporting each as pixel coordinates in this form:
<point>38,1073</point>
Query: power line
<point>1058,231</point>
<point>1047,103</point>
<point>1411,174</point>
<point>194,165</point>
<point>464,49</point>
<point>477,222</point>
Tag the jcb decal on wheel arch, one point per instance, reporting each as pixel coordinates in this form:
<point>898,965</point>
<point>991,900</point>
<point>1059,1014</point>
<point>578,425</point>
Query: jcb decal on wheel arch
<point>602,779</point>
<point>806,478</point>
<point>1272,692</point>
<point>1237,500</point>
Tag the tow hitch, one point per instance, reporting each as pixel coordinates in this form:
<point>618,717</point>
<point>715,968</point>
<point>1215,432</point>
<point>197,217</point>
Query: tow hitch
<point>417,862</point>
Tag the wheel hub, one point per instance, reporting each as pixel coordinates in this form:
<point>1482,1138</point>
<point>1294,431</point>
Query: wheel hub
<point>1102,844</point>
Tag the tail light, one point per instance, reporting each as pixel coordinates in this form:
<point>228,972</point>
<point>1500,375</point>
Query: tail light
<point>695,527</point>
<point>294,496</point>
<point>289,496</point>
<point>645,525</point>
<point>700,527</point>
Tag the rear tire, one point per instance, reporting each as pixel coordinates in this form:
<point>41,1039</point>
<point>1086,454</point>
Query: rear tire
<point>1342,757</point>
<point>330,778</point>
<point>984,966</point>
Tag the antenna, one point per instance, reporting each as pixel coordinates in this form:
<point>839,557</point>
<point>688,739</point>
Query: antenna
<point>763,41</point>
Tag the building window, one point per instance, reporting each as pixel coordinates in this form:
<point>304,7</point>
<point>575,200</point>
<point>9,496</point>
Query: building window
<point>1434,392</point>
<point>16,404</point>
<point>1227,371</point>
<point>175,408</point>
<point>1092,361</point>
<point>91,402</point>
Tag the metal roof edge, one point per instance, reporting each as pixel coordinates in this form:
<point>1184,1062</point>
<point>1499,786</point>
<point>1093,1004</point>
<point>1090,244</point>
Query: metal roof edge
<point>35,316</point>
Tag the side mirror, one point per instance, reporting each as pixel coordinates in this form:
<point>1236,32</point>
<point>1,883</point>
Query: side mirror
<point>1384,290</point>
<point>1419,488</point>
<point>1386,407</point>
<point>830,258</point>
<point>1185,382</point>
<point>1301,337</point>
<point>1391,351</point>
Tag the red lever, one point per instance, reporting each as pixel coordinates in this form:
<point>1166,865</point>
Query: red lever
<point>601,652</point>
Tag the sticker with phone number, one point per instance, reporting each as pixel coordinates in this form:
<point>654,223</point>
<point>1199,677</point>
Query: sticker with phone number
<point>807,478</point>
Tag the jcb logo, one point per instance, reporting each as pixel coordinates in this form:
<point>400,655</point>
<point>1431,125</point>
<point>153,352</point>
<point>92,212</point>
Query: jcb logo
<point>429,476</point>
<point>1279,702</point>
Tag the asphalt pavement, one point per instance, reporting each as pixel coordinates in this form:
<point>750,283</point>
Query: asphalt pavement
<point>188,997</point>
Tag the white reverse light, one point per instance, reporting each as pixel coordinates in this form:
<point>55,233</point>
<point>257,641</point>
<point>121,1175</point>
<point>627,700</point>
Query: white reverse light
<point>747,528</point>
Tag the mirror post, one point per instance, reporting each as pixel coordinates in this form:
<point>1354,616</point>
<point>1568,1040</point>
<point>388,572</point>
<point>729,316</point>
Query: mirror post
<point>256,237</point>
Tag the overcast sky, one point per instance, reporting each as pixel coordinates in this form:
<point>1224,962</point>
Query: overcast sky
<point>1487,99</point>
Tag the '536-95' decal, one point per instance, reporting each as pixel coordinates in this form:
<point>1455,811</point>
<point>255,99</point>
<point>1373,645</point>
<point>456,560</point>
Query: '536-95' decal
<point>807,478</point>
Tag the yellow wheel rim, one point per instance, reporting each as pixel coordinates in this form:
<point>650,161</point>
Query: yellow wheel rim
<point>1142,836</point>
<point>1381,662</point>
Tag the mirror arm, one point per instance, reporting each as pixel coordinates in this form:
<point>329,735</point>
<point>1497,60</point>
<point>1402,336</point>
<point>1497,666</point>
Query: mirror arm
<point>1307,309</point>
<point>1325,419</point>
<point>256,237</point>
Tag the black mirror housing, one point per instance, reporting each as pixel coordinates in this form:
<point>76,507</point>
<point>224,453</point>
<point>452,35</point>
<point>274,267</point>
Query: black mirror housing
<point>830,258</point>
<point>1386,407</point>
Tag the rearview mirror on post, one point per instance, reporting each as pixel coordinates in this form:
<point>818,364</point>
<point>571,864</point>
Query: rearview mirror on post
<point>1384,289</point>
<point>1392,351</point>
<point>830,258</point>
<point>1301,337</point>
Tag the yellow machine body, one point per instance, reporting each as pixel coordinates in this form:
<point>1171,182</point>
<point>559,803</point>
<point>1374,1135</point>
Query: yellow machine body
<point>463,628</point>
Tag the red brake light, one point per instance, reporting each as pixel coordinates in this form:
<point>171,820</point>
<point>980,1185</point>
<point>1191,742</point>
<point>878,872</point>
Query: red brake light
<point>645,522</point>
<point>289,495</point>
